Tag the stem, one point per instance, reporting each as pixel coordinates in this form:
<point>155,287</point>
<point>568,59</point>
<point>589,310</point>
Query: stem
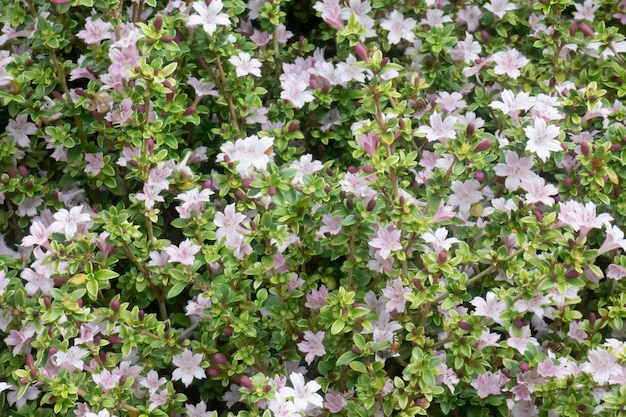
<point>220,82</point>
<point>156,291</point>
<point>66,91</point>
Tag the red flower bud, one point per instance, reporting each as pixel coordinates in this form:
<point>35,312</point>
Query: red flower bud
<point>572,274</point>
<point>584,148</point>
<point>538,216</point>
<point>367,168</point>
<point>115,306</point>
<point>371,205</point>
<point>484,35</point>
<point>141,314</point>
<point>189,111</point>
<point>213,373</point>
<point>465,326</point>
<point>479,175</point>
<point>167,39</point>
<point>418,284</point>
<point>47,302</point>
<point>567,181</point>
<point>52,351</point>
<point>227,331</point>
<point>573,28</point>
<point>294,125</point>
<point>615,147</point>
<point>115,340</point>
<point>271,190</point>
<point>592,319</point>
<point>361,52</point>
<point>518,323</point>
<point>219,358</point>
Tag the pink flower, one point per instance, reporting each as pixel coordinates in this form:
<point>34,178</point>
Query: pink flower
<point>68,222</point>
<point>228,223</point>
<point>332,224</point>
<point>537,191</point>
<point>491,307</point>
<point>317,298</point>
<point>303,395</point>
<point>187,367</point>
<point>399,28</point>
<point>20,340</point>
<point>515,169</point>
<point>499,7</point>
<point>470,15</point>
<point>312,345</point>
<point>439,129</point>
<point>106,380</point>
<point>244,64</point>
<point>198,410</point>
<point>520,338</point>
<point>395,293</point>
<point>439,239</point>
<point>509,63</point>
<point>335,402</point>
<point>184,253</point>
<point>95,163</point>
<point>616,272</point>
<point>36,282</point>
<point>120,113</point>
<point>581,217</point>
<point>20,129</point>
<point>72,359</point>
<point>208,16</point>
<point>201,87</point>
<point>38,235</point>
<point>95,31</point>
<point>331,12</point>
<point>487,384</point>
<point>305,166</point>
<point>294,89</point>
<point>614,239</point>
<point>601,365</point>
<point>465,194</point>
<point>386,239</point>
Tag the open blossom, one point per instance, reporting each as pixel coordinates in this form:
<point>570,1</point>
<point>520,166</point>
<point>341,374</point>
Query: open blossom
<point>95,31</point>
<point>509,63</point>
<point>95,162</point>
<point>515,169</point>
<point>305,166</point>
<point>187,367</point>
<point>244,64</point>
<point>537,191</point>
<point>542,139</point>
<point>489,307</point>
<point>68,222</point>
<point>312,345</point>
<point>399,28</point>
<point>499,7</point>
<point>184,253</point>
<point>208,16</point>
<point>439,239</point>
<point>386,239</point>
<point>20,129</point>
<point>252,154</point>
<point>601,365</point>
<point>465,194</point>
<point>489,384</point>
<point>395,293</point>
<point>520,338</point>
<point>303,395</point>
<point>439,129</point>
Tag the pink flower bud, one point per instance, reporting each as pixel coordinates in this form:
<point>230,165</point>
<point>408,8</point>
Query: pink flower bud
<point>418,284</point>
<point>524,366</point>
<point>479,175</point>
<point>158,23</point>
<point>167,39</point>
<point>294,125</point>
<point>219,358</point>
<point>12,172</point>
<point>584,148</point>
<point>615,147</point>
<point>463,325</point>
<point>246,182</point>
<point>538,216</point>
<point>213,373</point>
<point>572,274</point>
<point>115,340</point>
<point>115,306</point>
<point>518,323</point>
<point>207,184</point>
<point>150,146</point>
<point>484,145</point>
<point>592,319</point>
<point>52,351</point>
<point>30,361</point>
<point>59,282</point>
<point>271,190</point>
<point>484,35</point>
<point>442,258</point>
<point>356,351</point>
<point>371,205</point>
<point>239,195</point>
<point>586,30</point>
<point>245,382</point>
<point>573,28</point>
<point>47,302</point>
<point>567,181</point>
<point>189,111</point>
<point>367,168</point>
<point>361,52</point>
<point>352,169</point>
<point>227,331</point>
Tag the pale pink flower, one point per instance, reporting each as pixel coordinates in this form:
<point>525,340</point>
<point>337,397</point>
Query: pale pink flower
<point>586,11</point>
<point>537,191</point>
<point>305,166</point>
<point>183,253</point>
<point>499,7</point>
<point>202,88</point>
<point>509,63</point>
<point>386,239</point>
<point>38,235</point>
<point>614,239</point>
<point>331,12</point>
<point>120,113</point>
<point>616,272</point>
<point>229,223</point>
<point>470,15</point>
<point>68,222</point>
<point>542,139</point>
<point>511,104</point>
<point>295,89</point>
<point>208,16</point>
<point>244,64</point>
<point>303,395</point>
<point>95,31</point>
<point>435,18</point>
<point>317,298</point>
<point>524,408</point>
<point>465,194</point>
<point>106,380</point>
<point>515,169</point>
<point>36,282</point>
<point>281,407</point>
<point>451,102</point>
<point>152,382</point>
<point>20,340</point>
<point>520,338</point>
<point>95,163</point>
<point>487,339</point>
<point>438,129</point>
<point>576,332</point>
<point>394,291</point>
<point>252,154</point>
<point>157,399</point>
<point>490,307</point>
<point>4,282</point>
<point>581,217</point>
<point>150,195</point>
<point>487,384</point>
<point>199,410</point>
<point>467,50</point>
<point>357,185</point>
<point>312,345</point>
<point>20,129</point>
<point>439,240</point>
<point>335,402</point>
<point>72,359</point>
<point>399,28</point>
<point>601,365</point>
<point>534,304</point>
<point>187,367</point>
<point>368,142</point>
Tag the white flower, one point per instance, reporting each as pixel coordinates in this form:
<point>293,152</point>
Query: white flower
<point>245,64</point>
<point>303,394</point>
<point>601,365</point>
<point>208,16</point>
<point>69,221</point>
<point>188,367</point>
<point>542,139</point>
<point>399,28</point>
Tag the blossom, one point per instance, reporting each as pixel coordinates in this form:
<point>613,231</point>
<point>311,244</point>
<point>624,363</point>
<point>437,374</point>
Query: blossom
<point>208,16</point>
<point>4,282</point>
<point>252,154</point>
<point>312,345</point>
<point>228,223</point>
<point>95,163</point>
<point>106,380</point>
<point>386,239</point>
<point>331,12</point>
<point>470,15</point>
<point>95,31</point>
<point>305,166</point>
<point>399,27</point>
<point>294,89</point>
<point>72,359</point>
<point>581,217</point>
<point>38,235</point>
<point>614,239</point>
<point>467,50</point>
<point>489,307</point>
<point>201,87</point>
<point>616,272</point>
<point>20,340</point>
<point>520,338</point>
<point>435,18</point>
<point>542,139</point>
<point>36,282</point>
<point>465,194</point>
<point>183,253</point>
<point>317,298</point>
<point>537,191</point>
<point>439,129</point>
<point>586,11</point>
<point>303,395</point>
<point>244,64</point>
<point>68,222</point>
<point>187,367</point>
<point>332,224</point>
<point>20,129</point>
<point>199,410</point>
<point>499,7</point>
<point>394,291</point>
<point>601,365</point>
<point>509,63</point>
<point>487,384</point>
<point>515,169</point>
<point>439,239</point>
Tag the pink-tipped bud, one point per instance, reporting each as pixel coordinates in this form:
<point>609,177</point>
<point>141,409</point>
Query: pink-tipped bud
<point>356,351</point>
<point>207,184</point>
<point>615,147</point>
<point>463,325</point>
<point>79,301</point>
<point>150,146</point>
<point>245,382</point>
<point>584,148</point>
<point>518,323</point>
<point>484,35</point>
<point>592,319</point>
<point>158,23</point>
<point>47,302</point>
<point>115,340</point>
<point>141,315</point>
<point>239,195</point>
<point>442,258</point>
<point>219,358</point>
<point>12,172</point>
<point>552,82</point>
<point>361,52</point>
<point>52,351</point>
<point>59,282</point>
<point>167,39</point>
<point>350,204</point>
<point>57,95</point>
<point>189,111</point>
<point>524,367</point>
<point>367,168</point>
<point>538,216</point>
<point>484,145</point>
<point>313,84</point>
<point>271,190</point>
<point>115,306</point>
<point>572,274</point>
<point>568,182</point>
<point>213,373</point>
<point>245,183</point>
<point>227,331</point>
<point>573,28</point>
<point>418,284</point>
<point>294,125</point>
<point>586,30</point>
<point>384,61</point>
<point>479,175</point>
<point>30,361</point>
<point>34,374</point>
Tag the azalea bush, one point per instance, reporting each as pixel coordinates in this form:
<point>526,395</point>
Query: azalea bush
<point>276,208</point>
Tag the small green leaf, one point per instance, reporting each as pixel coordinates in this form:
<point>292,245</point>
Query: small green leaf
<point>358,367</point>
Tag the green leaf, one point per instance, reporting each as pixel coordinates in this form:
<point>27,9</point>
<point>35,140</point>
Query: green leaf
<point>176,289</point>
<point>105,275</point>
<point>337,327</point>
<point>358,366</point>
<point>346,358</point>
<point>92,288</point>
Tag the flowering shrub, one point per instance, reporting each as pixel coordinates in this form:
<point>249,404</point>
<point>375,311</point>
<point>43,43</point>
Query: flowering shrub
<point>346,208</point>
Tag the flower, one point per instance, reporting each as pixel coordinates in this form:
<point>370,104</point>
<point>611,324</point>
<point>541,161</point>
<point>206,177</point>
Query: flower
<point>395,292</point>
<point>399,27</point>
<point>465,194</point>
<point>386,239</point>
<point>184,253</point>
<point>244,64</point>
<point>490,307</point>
<point>95,163</point>
<point>537,191</point>
<point>95,31</point>
<point>439,240</point>
<point>106,380</point>
<point>312,345</point>
<point>515,169</point>
<point>199,410</point>
<point>499,7</point>
<point>20,129</point>
<point>208,16</point>
<point>438,129</point>
<point>68,222</point>
<point>520,338</point>
<point>303,395</point>
<point>614,239</point>
<point>601,365</point>
<point>509,63</point>
<point>305,166</point>
<point>542,139</point>
<point>487,384</point>
<point>72,359</point>
<point>187,367</point>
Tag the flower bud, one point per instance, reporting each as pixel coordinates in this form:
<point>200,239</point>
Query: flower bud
<point>357,351</point>
<point>245,382</point>
<point>479,175</point>
<point>361,52</point>
<point>227,331</point>
<point>615,147</point>
<point>189,111</point>
<point>552,82</point>
<point>246,182</point>
<point>79,301</point>
<point>418,284</point>
<point>219,358</point>
<point>271,190</point>
<point>115,340</point>
<point>367,168</point>
<point>141,315</point>
<point>213,373</point>
<point>586,30</point>
<point>239,195</point>
<point>524,367</point>
<point>465,325</point>
<point>350,204</point>
<point>47,302</point>
<point>294,125</point>
<point>538,216</point>
<point>52,351</point>
<point>584,148</point>
<point>483,145</point>
<point>567,181</point>
<point>592,319</point>
<point>158,23</point>
<point>313,84</point>
<point>23,171</point>
<point>384,61</point>
<point>371,205</point>
<point>12,172</point>
<point>442,258</point>
<point>573,28</point>
<point>115,306</point>
<point>572,274</point>
<point>484,35</point>
<point>57,95</point>
<point>167,39</point>
<point>518,323</point>
<point>59,282</point>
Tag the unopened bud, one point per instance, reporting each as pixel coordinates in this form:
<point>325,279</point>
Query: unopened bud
<point>158,23</point>
<point>352,169</point>
<point>52,351</point>
<point>571,274</point>
<point>79,301</point>
<point>313,84</point>
<point>518,323</point>
<point>573,28</point>
<point>357,351</point>
<point>115,340</point>
<point>479,175</point>
<point>246,182</point>
<point>206,184</point>
<point>538,216</point>
<point>219,358</point>
<point>384,61</point>
<point>227,331</point>
<point>465,326</point>
<point>167,39</point>
<point>483,145</point>
<point>615,147</point>
<point>271,190</point>
<point>57,95</point>
<point>12,172</point>
<point>584,148</point>
<point>418,284</point>
<point>552,82</point>
<point>59,282</point>
<point>350,204</point>
<point>239,195</point>
<point>115,306</point>
<point>592,319</point>
<point>371,205</point>
<point>361,52</point>
<point>586,30</point>
<point>30,361</point>
<point>213,373</point>
<point>189,111</point>
<point>524,367</point>
<point>245,382</point>
<point>442,258</point>
<point>567,181</point>
<point>294,125</point>
<point>141,315</point>
<point>484,35</point>
<point>367,168</point>
<point>47,302</point>
<point>150,146</point>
